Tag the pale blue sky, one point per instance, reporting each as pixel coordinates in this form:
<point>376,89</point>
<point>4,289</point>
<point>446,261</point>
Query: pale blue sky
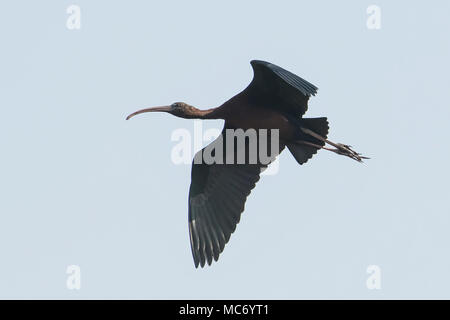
<point>80,185</point>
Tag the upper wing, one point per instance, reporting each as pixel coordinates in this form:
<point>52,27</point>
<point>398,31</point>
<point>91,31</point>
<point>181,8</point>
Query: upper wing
<point>275,87</point>
<point>217,197</point>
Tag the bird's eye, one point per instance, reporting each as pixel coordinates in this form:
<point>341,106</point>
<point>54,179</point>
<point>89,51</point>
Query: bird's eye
<point>174,105</point>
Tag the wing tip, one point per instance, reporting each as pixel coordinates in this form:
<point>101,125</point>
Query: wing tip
<point>256,62</point>
<point>306,87</point>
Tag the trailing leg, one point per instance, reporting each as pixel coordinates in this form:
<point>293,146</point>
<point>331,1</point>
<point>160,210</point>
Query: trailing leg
<point>339,148</point>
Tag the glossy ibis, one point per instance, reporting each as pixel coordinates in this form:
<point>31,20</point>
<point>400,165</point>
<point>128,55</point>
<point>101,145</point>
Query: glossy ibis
<point>275,99</point>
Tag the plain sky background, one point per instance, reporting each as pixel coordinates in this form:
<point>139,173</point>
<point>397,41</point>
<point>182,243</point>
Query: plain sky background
<point>80,185</point>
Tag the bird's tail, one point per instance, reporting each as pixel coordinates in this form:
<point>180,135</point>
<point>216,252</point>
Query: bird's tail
<point>303,152</point>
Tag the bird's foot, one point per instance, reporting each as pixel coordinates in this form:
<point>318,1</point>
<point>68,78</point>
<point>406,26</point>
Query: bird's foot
<point>346,150</point>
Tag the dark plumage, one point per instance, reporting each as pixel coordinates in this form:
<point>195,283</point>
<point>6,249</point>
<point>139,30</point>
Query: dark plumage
<point>275,99</point>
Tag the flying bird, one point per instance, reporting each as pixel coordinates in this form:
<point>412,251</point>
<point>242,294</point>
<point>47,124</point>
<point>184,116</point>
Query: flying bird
<point>275,99</point>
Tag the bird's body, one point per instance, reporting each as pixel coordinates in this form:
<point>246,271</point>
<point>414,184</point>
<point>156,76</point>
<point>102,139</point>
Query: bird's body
<point>236,114</point>
<point>275,99</point>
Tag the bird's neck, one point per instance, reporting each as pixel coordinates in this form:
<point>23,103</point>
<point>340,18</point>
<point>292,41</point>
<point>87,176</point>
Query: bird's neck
<point>194,113</point>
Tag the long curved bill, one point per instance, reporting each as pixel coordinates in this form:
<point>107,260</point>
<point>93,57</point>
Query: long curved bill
<point>153,109</point>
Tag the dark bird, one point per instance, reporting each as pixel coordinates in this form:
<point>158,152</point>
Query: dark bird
<point>275,99</point>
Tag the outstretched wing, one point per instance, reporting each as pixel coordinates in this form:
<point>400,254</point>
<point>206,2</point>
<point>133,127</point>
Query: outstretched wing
<point>217,197</point>
<point>275,87</point>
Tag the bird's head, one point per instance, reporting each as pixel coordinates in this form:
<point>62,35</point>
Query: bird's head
<point>179,109</point>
